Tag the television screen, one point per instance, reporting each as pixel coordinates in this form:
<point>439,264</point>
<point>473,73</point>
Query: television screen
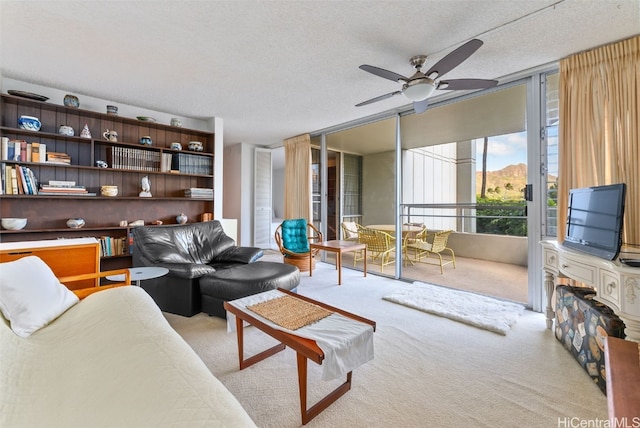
<point>594,220</point>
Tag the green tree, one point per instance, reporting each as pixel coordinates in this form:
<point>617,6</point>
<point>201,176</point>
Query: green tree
<point>493,217</point>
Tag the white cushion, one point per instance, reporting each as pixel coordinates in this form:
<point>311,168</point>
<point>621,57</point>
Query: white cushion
<point>350,230</point>
<point>31,296</point>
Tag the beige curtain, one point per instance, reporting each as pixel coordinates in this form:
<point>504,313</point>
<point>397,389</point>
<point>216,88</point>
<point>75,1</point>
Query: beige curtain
<point>297,177</point>
<point>598,134</point>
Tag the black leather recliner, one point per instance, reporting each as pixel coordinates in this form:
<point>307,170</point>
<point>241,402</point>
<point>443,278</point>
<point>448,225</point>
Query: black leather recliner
<point>195,251</point>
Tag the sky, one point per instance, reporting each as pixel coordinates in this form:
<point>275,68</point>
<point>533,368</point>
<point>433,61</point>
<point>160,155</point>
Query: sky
<point>508,149</point>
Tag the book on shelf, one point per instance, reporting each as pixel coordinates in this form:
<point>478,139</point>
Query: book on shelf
<point>4,148</point>
<point>72,189</point>
<point>24,187</point>
<point>61,183</point>
<point>45,193</point>
<point>19,181</point>
<point>12,149</point>
<point>14,182</point>
<point>43,153</point>
<point>35,152</point>
<point>6,179</point>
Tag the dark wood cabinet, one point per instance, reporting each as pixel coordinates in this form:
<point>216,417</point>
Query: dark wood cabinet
<point>47,215</point>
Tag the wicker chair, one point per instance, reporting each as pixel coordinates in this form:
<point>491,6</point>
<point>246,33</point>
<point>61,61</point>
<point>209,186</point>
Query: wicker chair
<point>380,245</point>
<point>351,232</point>
<point>412,251</point>
<point>436,247</point>
<point>298,255</point>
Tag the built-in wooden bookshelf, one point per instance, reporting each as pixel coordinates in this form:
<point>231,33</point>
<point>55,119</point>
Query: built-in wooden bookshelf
<point>47,215</point>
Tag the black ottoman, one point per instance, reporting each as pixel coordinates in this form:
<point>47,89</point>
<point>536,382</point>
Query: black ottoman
<point>245,280</point>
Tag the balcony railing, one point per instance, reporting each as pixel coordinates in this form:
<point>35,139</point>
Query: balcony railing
<point>492,218</point>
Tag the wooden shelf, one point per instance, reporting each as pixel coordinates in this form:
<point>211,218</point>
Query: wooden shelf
<point>47,214</point>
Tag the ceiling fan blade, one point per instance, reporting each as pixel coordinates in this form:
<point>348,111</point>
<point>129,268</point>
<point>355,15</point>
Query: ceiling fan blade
<point>380,98</point>
<point>461,84</point>
<point>381,72</point>
<point>454,59</point>
<point>420,106</point>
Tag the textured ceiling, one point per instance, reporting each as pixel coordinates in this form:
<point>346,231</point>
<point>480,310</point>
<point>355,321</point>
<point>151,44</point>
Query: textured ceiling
<point>275,69</point>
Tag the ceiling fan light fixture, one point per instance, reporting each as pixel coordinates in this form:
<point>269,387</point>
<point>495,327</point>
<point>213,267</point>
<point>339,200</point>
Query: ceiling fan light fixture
<point>419,89</point>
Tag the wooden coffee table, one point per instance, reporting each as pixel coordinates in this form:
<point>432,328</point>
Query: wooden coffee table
<point>306,349</point>
<point>339,247</point>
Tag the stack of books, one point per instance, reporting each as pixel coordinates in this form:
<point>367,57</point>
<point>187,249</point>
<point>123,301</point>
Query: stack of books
<point>198,193</point>
<point>59,158</point>
<point>66,188</point>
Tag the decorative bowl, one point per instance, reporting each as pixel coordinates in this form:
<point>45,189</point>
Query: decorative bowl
<point>146,140</point>
<point>75,223</point>
<point>71,101</point>
<point>109,190</point>
<point>29,123</point>
<point>66,130</point>
<point>13,223</point>
<point>196,146</point>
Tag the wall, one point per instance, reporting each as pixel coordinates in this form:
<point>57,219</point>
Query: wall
<point>498,248</point>
<point>238,189</point>
<point>378,188</point>
<point>430,177</point>
<point>277,193</point>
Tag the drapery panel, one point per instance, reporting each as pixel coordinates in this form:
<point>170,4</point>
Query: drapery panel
<point>297,173</point>
<point>599,116</point>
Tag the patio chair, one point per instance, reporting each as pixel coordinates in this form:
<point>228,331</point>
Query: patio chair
<point>350,232</point>
<point>436,247</point>
<point>293,237</point>
<point>380,245</point>
<point>410,241</point>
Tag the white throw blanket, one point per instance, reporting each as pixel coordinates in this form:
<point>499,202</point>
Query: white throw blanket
<point>346,343</point>
<point>112,360</point>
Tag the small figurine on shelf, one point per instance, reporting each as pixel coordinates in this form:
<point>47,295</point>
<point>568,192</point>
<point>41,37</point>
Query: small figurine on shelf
<point>85,133</point>
<point>146,187</point>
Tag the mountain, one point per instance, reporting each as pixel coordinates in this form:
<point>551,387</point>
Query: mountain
<point>505,183</point>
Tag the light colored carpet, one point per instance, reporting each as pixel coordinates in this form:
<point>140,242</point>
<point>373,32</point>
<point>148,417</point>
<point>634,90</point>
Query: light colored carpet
<point>428,371</point>
<point>470,308</point>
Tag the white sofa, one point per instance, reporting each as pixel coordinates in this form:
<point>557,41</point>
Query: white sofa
<point>110,360</point>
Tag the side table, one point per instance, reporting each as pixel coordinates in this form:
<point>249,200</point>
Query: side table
<point>141,273</point>
<point>338,246</point>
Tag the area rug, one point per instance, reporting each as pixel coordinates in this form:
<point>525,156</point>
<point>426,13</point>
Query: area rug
<point>474,309</point>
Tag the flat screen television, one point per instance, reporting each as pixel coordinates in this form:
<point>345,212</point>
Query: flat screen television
<point>594,220</point>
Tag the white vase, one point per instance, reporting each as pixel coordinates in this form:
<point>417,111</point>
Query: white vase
<point>182,218</point>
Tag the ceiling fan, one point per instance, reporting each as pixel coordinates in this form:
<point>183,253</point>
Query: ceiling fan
<point>419,87</point>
